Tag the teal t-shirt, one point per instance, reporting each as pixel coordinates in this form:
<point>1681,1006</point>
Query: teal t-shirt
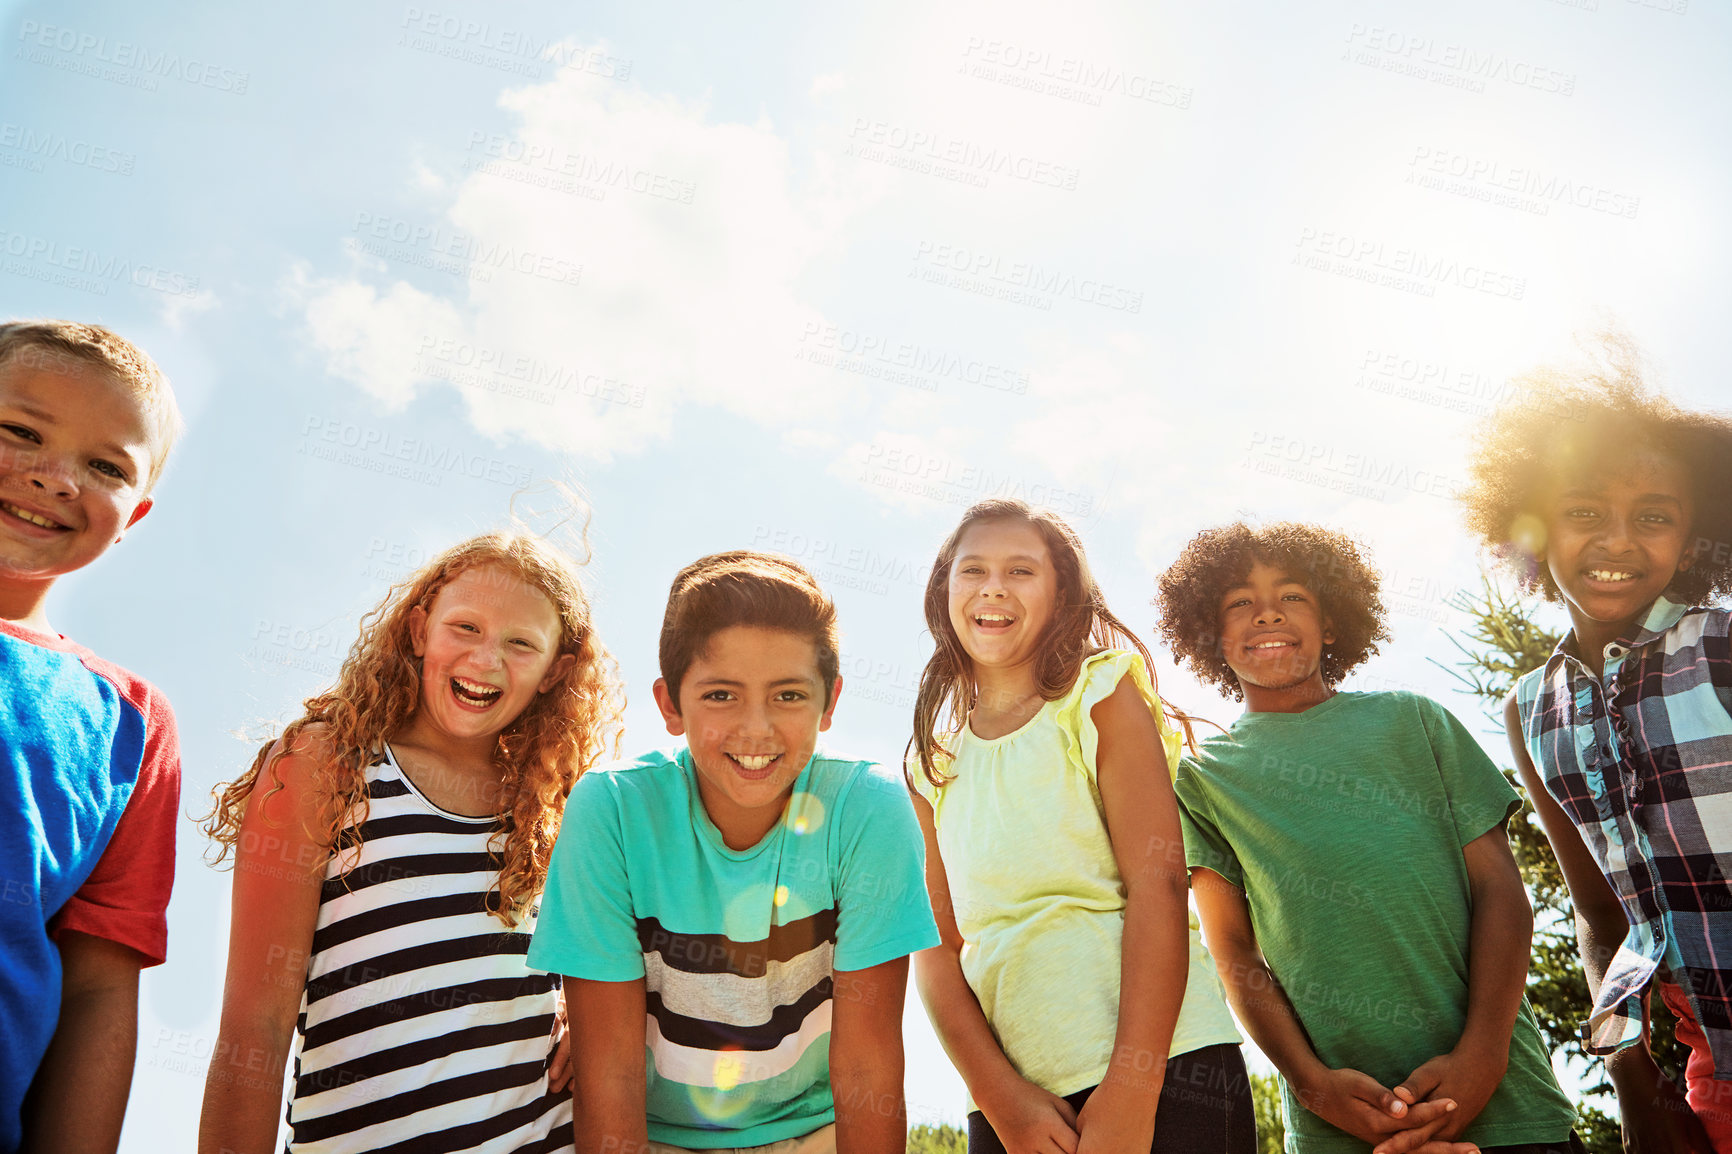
<point>1344,825</point>
<point>737,948</point>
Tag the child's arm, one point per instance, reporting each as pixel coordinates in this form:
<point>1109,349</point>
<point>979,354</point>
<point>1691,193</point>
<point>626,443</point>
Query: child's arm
<point>1142,819</point>
<point>1655,1114</point>
<point>1500,939</point>
<point>279,869</point>
<point>866,1059</point>
<point>608,1076</point>
<point>78,1098</point>
<point>1026,1118</point>
<point>1346,1098</point>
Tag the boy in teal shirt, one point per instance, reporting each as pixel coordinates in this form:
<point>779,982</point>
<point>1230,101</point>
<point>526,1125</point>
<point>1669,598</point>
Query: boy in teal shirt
<point>734,918</point>
<point>1351,868</point>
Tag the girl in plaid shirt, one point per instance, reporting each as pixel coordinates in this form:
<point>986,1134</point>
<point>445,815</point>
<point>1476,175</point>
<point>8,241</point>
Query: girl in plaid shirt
<point>1609,498</point>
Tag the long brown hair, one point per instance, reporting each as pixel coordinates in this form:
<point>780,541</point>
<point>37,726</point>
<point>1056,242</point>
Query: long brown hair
<point>561,734</point>
<point>1081,626</point>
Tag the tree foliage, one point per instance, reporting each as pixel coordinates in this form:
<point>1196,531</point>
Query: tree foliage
<point>1501,643</point>
<point>1266,1104</point>
<point>942,1139</point>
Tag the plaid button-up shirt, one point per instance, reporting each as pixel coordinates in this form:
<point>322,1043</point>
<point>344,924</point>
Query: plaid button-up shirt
<point>1641,761</point>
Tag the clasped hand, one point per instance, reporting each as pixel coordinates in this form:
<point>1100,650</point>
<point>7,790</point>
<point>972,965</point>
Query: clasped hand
<point>1423,1115</point>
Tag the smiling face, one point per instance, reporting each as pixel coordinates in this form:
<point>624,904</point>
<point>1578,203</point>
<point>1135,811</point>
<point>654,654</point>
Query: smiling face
<point>1273,631</point>
<point>488,644</point>
<point>1003,591</point>
<point>1615,540</point>
<point>75,456</point>
<point>751,706</point>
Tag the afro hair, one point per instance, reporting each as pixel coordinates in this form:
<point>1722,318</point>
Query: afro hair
<point>1564,421</point>
<point>1329,563</point>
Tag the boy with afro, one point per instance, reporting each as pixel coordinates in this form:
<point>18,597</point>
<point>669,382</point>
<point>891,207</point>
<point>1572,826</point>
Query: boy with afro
<point>1349,860</point>
<point>1605,496</point>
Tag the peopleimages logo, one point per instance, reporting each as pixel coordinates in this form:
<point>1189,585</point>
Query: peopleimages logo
<point>1455,64</point>
<point>89,52</point>
<point>851,350</point>
<point>42,145</point>
<point>435,241</point>
<point>411,458</point>
<point>102,267</point>
<point>550,165</point>
<point>1521,185</point>
<point>484,367</point>
<point>1067,77</point>
<point>1397,266</point>
<point>959,266</point>
<point>920,149</point>
<point>497,46</point>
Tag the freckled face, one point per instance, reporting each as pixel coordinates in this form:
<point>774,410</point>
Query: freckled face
<point>488,644</point>
<point>75,456</point>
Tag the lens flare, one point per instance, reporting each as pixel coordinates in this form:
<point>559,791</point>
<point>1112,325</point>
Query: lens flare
<point>805,814</point>
<point>730,1096</point>
<point>1528,533</point>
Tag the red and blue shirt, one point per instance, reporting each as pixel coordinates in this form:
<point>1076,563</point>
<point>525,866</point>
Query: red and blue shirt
<point>89,792</point>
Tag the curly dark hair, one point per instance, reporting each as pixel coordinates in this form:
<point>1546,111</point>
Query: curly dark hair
<point>1332,565</point>
<point>1565,420</point>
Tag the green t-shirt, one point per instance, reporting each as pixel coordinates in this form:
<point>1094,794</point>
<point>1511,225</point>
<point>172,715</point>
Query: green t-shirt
<point>1344,825</point>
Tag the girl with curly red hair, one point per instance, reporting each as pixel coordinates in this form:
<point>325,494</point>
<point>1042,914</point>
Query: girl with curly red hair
<point>390,848</point>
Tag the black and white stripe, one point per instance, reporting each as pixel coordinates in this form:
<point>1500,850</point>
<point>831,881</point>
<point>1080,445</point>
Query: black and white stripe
<point>723,1013</point>
<point>421,1029</point>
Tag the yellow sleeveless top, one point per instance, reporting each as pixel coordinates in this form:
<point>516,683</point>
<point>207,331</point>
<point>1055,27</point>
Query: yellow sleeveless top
<point>1037,892</point>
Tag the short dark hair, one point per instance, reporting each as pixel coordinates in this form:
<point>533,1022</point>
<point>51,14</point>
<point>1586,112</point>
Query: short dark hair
<point>1593,416</point>
<point>764,590</point>
<point>1328,563</point>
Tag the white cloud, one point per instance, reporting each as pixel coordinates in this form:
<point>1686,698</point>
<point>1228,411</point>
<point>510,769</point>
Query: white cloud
<point>620,242</point>
<point>177,308</point>
<point>372,338</point>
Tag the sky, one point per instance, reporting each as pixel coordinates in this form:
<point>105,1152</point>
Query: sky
<point>814,282</point>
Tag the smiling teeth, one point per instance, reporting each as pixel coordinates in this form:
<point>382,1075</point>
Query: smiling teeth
<point>1610,575</point>
<point>476,689</point>
<point>756,761</point>
<point>985,617</point>
<point>1272,645</point>
<point>27,515</point>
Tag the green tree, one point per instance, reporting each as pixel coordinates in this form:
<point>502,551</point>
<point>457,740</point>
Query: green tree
<point>937,1140</point>
<point>1501,643</point>
<point>1266,1104</point>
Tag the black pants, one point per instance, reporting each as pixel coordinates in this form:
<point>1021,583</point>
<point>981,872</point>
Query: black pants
<point>1205,1107</point>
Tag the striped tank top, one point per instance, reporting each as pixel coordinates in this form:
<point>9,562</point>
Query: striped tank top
<point>421,1028</point>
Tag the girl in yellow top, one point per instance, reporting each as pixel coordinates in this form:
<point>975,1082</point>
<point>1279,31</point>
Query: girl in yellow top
<point>1069,988</point>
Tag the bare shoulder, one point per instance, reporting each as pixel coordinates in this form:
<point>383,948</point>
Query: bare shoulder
<point>1512,709</point>
<point>289,782</point>
<point>1125,705</point>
